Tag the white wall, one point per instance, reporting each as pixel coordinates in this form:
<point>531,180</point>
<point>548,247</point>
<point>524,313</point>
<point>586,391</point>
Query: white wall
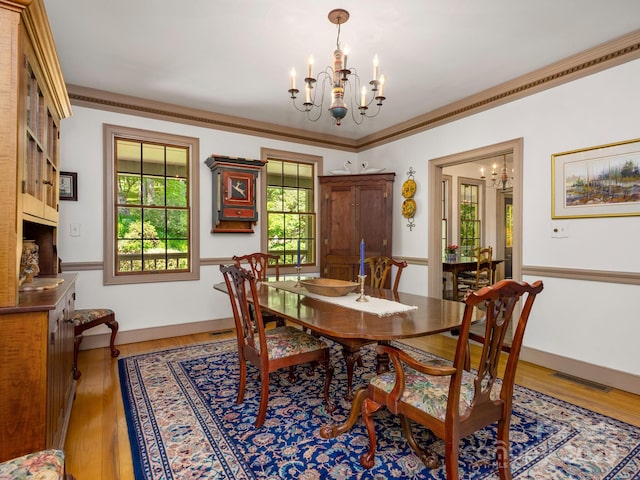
<point>587,321</point>
<point>591,322</point>
<point>158,304</point>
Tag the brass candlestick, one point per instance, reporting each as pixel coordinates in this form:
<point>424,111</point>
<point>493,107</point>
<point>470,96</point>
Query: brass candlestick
<point>362,298</point>
<point>298,284</point>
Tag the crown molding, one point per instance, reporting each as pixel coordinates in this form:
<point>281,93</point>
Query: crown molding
<point>602,57</point>
<point>103,100</point>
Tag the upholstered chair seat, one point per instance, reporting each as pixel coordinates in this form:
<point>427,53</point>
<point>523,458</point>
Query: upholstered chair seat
<point>42,465</point>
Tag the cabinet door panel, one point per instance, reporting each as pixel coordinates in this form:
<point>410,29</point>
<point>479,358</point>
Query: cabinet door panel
<point>373,219</point>
<point>339,227</point>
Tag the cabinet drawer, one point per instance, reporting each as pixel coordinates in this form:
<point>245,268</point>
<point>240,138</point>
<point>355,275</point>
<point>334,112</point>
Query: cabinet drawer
<point>233,213</point>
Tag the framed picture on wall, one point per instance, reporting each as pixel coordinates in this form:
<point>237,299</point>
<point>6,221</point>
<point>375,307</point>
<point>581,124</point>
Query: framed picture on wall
<point>69,186</point>
<point>600,181</point>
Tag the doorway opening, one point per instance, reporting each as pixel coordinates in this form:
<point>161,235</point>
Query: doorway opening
<point>509,206</point>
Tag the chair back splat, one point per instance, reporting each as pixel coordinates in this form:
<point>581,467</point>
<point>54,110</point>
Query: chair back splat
<point>268,349</point>
<point>259,263</point>
<point>456,401</point>
<point>379,269</point>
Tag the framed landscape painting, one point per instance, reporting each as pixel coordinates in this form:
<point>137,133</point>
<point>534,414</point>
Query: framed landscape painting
<point>600,181</point>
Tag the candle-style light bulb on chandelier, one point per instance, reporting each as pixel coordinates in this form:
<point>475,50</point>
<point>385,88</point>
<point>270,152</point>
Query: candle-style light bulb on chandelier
<point>341,79</point>
<point>502,181</point>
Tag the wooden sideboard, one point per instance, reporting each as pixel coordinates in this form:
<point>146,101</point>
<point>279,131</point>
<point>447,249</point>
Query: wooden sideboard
<point>354,207</point>
<point>36,378</point>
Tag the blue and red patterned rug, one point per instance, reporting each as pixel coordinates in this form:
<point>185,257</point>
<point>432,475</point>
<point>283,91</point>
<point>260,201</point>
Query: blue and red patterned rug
<point>184,423</point>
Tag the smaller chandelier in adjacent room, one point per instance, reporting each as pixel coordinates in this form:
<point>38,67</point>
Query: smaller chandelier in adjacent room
<point>504,180</point>
<point>342,80</point>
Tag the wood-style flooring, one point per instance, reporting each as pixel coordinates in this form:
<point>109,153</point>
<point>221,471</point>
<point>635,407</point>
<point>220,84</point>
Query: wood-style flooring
<point>97,443</point>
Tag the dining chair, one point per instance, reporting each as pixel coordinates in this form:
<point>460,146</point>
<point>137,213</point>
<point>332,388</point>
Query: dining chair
<point>481,276</point>
<point>85,319</point>
<point>379,269</point>
<point>268,350</point>
<point>455,401</point>
<point>259,263</point>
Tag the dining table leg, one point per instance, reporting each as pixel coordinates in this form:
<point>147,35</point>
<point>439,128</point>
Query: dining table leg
<point>351,357</point>
<point>332,431</point>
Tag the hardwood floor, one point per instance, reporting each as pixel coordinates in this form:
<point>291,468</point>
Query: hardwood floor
<point>97,444</point>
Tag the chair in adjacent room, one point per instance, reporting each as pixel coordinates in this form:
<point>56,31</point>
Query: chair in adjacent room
<point>268,350</point>
<point>481,276</point>
<point>379,269</point>
<point>455,401</point>
<point>259,263</point>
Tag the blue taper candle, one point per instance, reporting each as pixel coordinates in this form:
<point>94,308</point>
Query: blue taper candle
<point>362,258</point>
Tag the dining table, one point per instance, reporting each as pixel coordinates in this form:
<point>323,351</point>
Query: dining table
<point>465,264</point>
<point>385,316</point>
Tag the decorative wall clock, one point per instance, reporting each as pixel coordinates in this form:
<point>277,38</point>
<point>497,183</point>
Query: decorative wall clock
<point>234,193</point>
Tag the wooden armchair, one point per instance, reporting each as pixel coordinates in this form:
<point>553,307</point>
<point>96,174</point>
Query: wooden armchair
<point>259,263</point>
<point>268,350</point>
<point>453,401</point>
<point>379,268</point>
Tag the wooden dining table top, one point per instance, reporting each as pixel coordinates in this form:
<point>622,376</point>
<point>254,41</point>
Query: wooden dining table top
<point>433,315</point>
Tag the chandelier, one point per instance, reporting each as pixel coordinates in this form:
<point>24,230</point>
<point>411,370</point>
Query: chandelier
<point>503,180</point>
<point>340,78</point>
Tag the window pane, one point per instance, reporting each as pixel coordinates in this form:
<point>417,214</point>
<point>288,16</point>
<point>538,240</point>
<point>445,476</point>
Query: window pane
<point>152,190</point>
<point>177,193</point>
<point>470,225</point>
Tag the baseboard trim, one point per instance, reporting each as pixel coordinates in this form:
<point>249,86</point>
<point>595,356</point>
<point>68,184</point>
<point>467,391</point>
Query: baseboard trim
<point>595,373</point>
<point>101,340</point>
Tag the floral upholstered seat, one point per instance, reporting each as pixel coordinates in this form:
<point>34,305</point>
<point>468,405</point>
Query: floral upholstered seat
<point>430,393</point>
<point>43,465</point>
<point>286,341</point>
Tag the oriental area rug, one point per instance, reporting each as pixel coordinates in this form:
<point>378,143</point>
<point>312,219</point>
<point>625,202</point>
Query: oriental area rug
<point>184,423</point>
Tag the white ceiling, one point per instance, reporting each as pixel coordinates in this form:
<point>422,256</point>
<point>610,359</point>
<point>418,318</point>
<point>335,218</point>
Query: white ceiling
<point>234,56</point>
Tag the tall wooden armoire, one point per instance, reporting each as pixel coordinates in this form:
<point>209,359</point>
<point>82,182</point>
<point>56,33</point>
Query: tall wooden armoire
<point>354,207</point>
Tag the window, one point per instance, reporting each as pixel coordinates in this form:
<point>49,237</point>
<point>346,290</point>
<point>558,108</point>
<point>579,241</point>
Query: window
<point>290,207</point>
<point>470,217</point>
<point>151,198</point>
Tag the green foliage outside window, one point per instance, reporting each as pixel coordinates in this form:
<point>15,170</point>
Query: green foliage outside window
<point>290,215</point>
<point>152,212</point>
<point>469,219</point>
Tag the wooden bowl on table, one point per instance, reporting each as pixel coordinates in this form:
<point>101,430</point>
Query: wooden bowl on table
<point>329,287</point>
